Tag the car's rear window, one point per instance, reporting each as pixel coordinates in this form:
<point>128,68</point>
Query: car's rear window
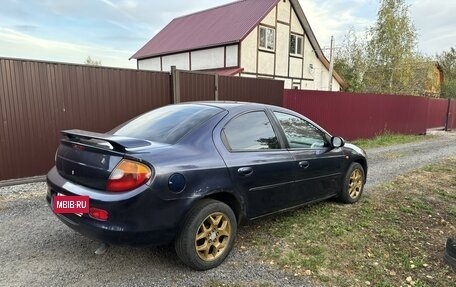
<point>167,124</point>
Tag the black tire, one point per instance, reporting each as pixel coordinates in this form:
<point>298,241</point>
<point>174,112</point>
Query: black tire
<point>450,252</point>
<point>353,184</point>
<point>196,224</point>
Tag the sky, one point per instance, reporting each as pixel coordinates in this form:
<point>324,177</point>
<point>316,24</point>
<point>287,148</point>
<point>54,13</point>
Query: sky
<point>112,30</point>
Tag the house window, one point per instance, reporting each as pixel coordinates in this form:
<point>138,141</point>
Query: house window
<point>296,45</point>
<point>267,38</point>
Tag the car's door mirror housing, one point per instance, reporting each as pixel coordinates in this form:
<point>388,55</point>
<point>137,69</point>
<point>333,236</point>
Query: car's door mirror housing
<point>337,142</point>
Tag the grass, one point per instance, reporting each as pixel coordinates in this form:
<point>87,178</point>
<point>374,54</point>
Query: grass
<point>395,236</point>
<point>388,139</point>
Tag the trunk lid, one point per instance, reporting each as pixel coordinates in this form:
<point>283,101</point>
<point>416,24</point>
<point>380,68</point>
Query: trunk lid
<point>88,158</point>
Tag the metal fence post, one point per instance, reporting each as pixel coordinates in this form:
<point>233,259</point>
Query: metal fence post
<point>447,122</point>
<point>176,84</point>
<point>216,82</point>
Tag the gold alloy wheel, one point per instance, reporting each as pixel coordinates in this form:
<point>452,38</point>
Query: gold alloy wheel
<point>213,236</point>
<point>355,183</point>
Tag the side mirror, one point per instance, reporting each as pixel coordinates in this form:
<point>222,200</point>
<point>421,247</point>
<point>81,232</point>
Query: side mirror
<point>337,142</point>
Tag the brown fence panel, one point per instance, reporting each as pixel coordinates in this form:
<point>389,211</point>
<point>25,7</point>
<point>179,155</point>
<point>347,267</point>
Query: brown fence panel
<point>437,113</point>
<point>38,99</point>
<point>196,86</point>
<point>452,115</point>
<point>250,90</point>
<point>355,116</point>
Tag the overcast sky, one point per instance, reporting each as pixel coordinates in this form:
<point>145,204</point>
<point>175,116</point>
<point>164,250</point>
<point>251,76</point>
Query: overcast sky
<point>113,30</point>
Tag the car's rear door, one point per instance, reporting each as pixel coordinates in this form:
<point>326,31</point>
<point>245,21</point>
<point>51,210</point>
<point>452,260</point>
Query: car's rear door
<point>259,164</point>
<point>317,167</point>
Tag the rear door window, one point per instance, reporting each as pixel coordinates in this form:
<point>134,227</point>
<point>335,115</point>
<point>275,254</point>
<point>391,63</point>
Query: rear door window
<point>250,132</point>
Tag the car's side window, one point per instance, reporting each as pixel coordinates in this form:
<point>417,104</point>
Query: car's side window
<point>250,132</point>
<point>300,133</point>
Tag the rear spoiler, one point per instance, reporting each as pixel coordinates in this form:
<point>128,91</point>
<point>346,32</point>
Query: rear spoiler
<point>118,143</point>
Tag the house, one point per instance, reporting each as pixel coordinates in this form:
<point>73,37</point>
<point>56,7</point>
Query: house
<point>434,80</point>
<point>247,38</point>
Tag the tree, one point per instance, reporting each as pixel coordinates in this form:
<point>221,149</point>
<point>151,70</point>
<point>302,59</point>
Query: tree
<point>447,61</point>
<point>391,50</point>
<point>350,61</point>
<point>91,62</point>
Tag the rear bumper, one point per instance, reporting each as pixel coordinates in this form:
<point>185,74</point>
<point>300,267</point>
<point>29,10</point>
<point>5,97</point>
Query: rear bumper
<point>102,233</point>
<point>139,217</point>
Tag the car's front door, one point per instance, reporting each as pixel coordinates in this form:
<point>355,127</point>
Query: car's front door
<point>317,167</point>
<point>260,167</point>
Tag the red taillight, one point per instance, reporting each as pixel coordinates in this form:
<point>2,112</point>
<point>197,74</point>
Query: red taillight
<point>128,175</point>
<point>99,214</point>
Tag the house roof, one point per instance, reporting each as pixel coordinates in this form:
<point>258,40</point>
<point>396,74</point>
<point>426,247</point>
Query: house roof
<point>218,26</point>
<point>223,25</point>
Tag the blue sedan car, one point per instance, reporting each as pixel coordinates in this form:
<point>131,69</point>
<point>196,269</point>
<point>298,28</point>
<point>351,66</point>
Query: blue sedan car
<point>189,173</point>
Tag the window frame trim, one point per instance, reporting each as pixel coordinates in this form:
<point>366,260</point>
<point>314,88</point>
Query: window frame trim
<point>273,50</point>
<point>302,45</point>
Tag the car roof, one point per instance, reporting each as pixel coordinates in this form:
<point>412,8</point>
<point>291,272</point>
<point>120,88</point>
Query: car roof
<point>231,105</point>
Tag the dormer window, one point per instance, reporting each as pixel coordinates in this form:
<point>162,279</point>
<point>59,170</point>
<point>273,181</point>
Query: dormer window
<point>267,38</point>
<point>296,45</point>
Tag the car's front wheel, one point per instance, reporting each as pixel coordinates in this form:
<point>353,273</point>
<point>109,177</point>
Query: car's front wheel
<point>207,235</point>
<point>353,184</point>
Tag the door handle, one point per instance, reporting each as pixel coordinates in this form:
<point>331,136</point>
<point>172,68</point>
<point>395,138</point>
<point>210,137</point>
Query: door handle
<point>303,164</point>
<point>245,171</point>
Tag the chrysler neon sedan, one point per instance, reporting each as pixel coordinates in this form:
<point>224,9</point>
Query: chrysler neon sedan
<point>188,174</point>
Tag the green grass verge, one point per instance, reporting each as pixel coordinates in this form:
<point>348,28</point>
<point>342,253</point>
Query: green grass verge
<point>388,139</point>
<point>395,236</point>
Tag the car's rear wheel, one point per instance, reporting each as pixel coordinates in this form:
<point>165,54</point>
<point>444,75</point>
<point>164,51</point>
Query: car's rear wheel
<point>353,184</point>
<point>207,235</point>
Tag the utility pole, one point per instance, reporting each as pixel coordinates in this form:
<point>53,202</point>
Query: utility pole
<point>331,64</point>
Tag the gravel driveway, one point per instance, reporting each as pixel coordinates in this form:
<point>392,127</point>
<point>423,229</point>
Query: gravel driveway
<point>36,249</point>
<point>387,162</point>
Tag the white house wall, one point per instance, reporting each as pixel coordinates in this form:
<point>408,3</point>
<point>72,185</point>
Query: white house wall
<point>307,85</point>
<point>181,61</point>
<point>322,78</point>
<point>295,24</point>
<point>265,63</point>
<point>335,85</point>
<point>249,48</point>
<point>306,72</point>
<point>232,56</point>
<point>282,38</point>
<point>208,59</point>
<point>314,69</point>
<point>150,64</point>
<point>310,60</point>
<point>213,58</point>
<point>296,67</point>
<point>283,13</point>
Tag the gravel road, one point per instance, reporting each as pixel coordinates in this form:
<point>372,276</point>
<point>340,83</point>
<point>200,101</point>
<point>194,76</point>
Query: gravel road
<point>36,249</point>
<point>387,162</point>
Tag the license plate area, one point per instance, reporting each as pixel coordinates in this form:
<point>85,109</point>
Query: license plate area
<point>66,204</point>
